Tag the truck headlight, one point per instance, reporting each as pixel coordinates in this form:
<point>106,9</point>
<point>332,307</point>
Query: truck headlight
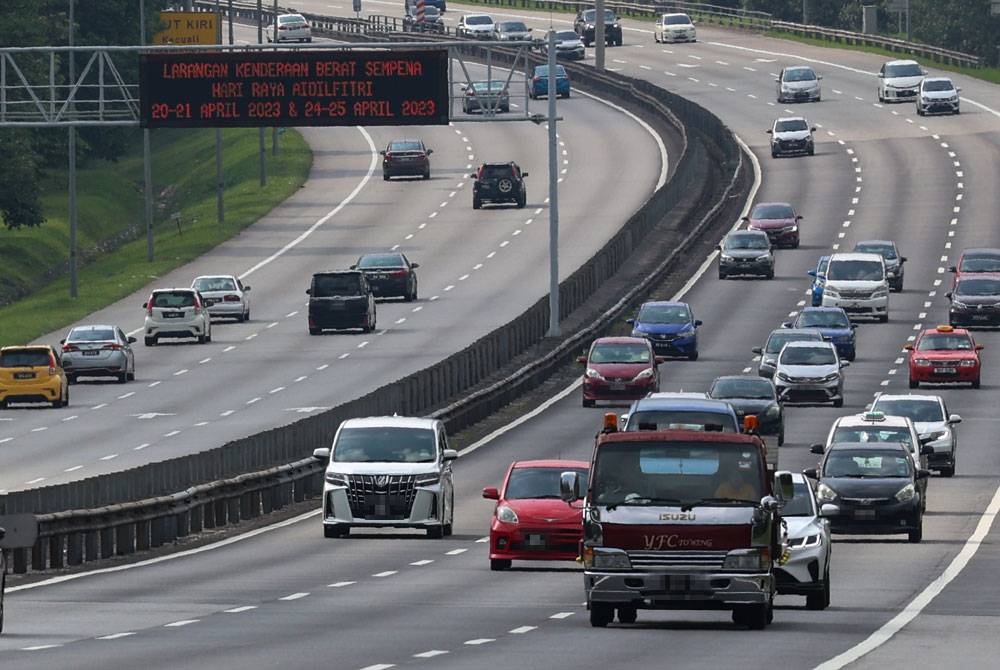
<point>906,493</point>
<point>506,514</point>
<point>747,559</point>
<point>606,559</point>
<point>336,478</point>
<point>824,493</point>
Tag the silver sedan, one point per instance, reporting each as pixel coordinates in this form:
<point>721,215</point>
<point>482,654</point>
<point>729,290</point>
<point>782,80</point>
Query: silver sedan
<point>805,568</point>
<point>98,351</point>
<point>225,296</point>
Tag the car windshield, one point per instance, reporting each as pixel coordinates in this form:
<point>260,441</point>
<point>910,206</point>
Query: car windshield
<point>791,126</point>
<point>539,482</point>
<point>567,36</point>
<point>872,434</point>
<point>479,20</point>
<point>845,270</point>
<point>944,342</point>
<point>939,85</point>
<point>381,261</point>
<point>737,241</point>
<point>681,419</point>
<point>801,503</point>
<point>823,319</point>
<point>609,15</point>
<point>978,286</point>
<point>980,263</point>
<point>25,358</point>
<point>903,70</point>
<point>925,411</point>
<point>214,284</point>
<point>808,356</point>
<point>779,339</point>
<point>666,314</point>
<point>90,335</point>
<point>329,286</point>
<point>742,387</point>
<point>173,299</point>
<point>514,27</point>
<point>383,444</point>
<point>773,211</point>
<point>676,474</point>
<point>867,463</point>
<point>800,74</point>
<point>677,20</point>
<point>884,250</point>
<point>620,353</point>
<point>404,145</point>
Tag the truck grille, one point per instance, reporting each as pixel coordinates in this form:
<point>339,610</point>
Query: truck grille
<point>696,560</point>
<point>381,496</point>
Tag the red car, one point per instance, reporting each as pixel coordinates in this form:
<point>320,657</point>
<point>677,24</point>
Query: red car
<point>531,522</point>
<point>944,354</point>
<point>778,220</point>
<point>619,368</point>
<point>974,261</point>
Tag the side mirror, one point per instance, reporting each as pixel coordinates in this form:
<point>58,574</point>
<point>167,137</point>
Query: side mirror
<point>449,455</point>
<point>845,364</point>
<point>381,153</point>
<point>980,347</point>
<point>491,493</point>
<point>908,347</point>
<point>414,266</point>
<point>660,359</point>
<point>881,75</point>
<point>952,268</point>
<point>811,473</point>
<point>697,322</point>
<point>816,448</point>
<point>430,151</point>
<point>472,176</point>
<point>770,504</point>
<point>132,340</point>
<point>854,326</point>
<point>322,454</point>
<point>246,288</point>
<point>923,474</point>
<point>902,259</point>
<point>947,294</point>
<point>744,218</point>
<point>569,486</point>
<point>786,324</point>
<point>769,131</point>
<point>623,420</point>
<point>777,81</point>
<point>954,418</point>
<point>353,267</point>
<point>524,174</point>
<point>758,350</point>
<point>581,359</point>
<point>958,89</point>
<point>828,510</point>
<point>3,532</point>
<point>819,76</point>
<point>812,129</point>
<point>926,449</point>
<point>145,305</point>
<point>62,341</point>
<point>783,486</point>
<point>630,322</point>
<point>718,247</point>
<point>798,217</point>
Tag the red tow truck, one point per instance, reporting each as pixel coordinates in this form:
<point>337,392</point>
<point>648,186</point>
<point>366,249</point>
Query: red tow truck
<point>680,519</point>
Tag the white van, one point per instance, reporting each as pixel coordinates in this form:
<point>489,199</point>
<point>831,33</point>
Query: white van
<point>857,283</point>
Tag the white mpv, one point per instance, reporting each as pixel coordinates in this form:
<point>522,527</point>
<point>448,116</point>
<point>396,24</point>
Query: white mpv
<point>857,282</point>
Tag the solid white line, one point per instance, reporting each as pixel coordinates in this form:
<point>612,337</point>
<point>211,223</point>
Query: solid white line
<point>925,597</point>
<point>40,647</point>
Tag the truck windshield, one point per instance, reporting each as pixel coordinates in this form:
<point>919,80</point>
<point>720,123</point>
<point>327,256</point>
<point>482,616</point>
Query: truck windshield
<point>384,445</point>
<point>675,473</point>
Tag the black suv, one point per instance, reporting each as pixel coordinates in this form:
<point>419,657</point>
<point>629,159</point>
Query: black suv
<point>498,182</point>
<point>584,27</point>
<point>340,299</point>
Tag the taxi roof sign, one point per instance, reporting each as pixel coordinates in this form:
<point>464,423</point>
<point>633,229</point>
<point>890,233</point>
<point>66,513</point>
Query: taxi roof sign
<point>944,328</point>
<point>875,415</point>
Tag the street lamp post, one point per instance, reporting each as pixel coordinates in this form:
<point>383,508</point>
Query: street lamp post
<point>553,193</point>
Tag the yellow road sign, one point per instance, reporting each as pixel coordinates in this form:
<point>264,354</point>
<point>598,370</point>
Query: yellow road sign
<point>188,28</point>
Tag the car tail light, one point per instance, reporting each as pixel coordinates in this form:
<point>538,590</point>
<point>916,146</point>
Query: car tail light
<point>197,305</point>
<point>536,79</point>
<point>113,346</point>
<point>231,298</point>
<point>52,364</point>
<point>149,306</point>
<point>70,347</point>
<point>400,273</point>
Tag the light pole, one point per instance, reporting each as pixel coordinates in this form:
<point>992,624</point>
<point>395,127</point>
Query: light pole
<point>554,330</point>
<point>72,163</point>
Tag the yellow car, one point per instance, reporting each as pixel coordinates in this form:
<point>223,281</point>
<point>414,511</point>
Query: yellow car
<point>32,373</point>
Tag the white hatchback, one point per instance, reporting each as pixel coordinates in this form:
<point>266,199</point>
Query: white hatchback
<point>176,312</point>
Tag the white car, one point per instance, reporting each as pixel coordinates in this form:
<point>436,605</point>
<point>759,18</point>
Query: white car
<point>225,295</point>
<point>568,45</point>
<point>291,28</point>
<point>805,569</point>
<point>933,422</point>
<point>898,80</point>
<point>798,83</point>
<point>810,372</point>
<point>791,136</point>
<point>176,312</point>
<point>858,283</point>
<point>476,26</point>
<point>937,95</point>
<point>388,472</point>
<point>674,28</point>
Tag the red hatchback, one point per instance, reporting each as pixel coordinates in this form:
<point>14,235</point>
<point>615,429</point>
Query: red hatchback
<point>619,368</point>
<point>531,522</point>
<point>944,355</point>
<point>778,220</point>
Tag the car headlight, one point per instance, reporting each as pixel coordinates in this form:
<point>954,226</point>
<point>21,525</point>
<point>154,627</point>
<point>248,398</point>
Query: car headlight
<point>589,26</point>
<point>782,376</point>
<point>831,292</point>
<point>615,25</point>
<point>906,493</point>
<point>763,257</point>
<point>645,374</point>
<point>793,229</point>
<point>726,257</point>
<point>336,478</point>
<point>747,559</point>
<point>604,559</point>
<point>824,493</point>
<point>773,411</point>
<point>685,334</point>
<point>809,541</point>
<point>831,377</point>
<point>968,363</point>
<point>594,374</point>
<point>881,293</point>
<point>959,304</point>
<point>506,514</point>
<point>429,479</point>
<point>921,361</point>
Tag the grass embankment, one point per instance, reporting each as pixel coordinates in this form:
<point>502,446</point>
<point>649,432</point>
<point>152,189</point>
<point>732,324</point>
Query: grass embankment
<point>109,203</point>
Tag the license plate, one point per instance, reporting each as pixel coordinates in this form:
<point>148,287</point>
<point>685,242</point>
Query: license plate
<point>944,371</point>
<point>24,375</point>
<point>173,315</point>
<point>678,583</point>
<point>617,386</point>
<point>337,307</point>
<point>91,353</point>
<point>980,317</point>
<point>864,514</point>
<point>535,540</point>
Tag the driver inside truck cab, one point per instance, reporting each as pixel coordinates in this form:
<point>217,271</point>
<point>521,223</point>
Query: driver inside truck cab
<point>737,482</point>
<point>620,477</point>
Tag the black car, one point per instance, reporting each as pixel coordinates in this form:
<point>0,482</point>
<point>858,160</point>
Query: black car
<point>890,254</point>
<point>752,394</point>
<point>340,299</point>
<point>432,21</point>
<point>874,486</point>
<point>406,158</point>
<point>746,252</point>
<point>975,301</point>
<point>389,275</point>
<point>583,25</point>
<point>497,183</point>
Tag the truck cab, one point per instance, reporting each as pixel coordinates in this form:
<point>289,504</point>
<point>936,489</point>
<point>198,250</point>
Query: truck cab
<point>679,519</point>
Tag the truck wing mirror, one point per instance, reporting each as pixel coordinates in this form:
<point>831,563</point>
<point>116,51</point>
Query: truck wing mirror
<point>569,486</point>
<point>783,486</point>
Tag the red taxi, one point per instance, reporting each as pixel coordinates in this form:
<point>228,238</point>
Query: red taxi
<point>944,355</point>
<point>530,521</point>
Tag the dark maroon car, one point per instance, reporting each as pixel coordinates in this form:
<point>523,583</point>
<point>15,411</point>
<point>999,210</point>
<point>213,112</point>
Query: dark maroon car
<point>619,368</point>
<point>778,220</point>
<point>406,158</point>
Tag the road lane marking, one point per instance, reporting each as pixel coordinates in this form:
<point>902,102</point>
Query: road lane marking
<point>239,610</point>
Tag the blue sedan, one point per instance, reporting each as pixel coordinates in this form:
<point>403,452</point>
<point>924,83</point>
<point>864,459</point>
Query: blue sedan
<point>819,280</point>
<point>670,328</point>
<point>833,324</point>
<point>540,82</point>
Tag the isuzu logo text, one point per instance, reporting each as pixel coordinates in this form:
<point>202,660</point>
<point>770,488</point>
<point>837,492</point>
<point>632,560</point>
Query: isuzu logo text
<point>657,542</point>
<point>677,516</point>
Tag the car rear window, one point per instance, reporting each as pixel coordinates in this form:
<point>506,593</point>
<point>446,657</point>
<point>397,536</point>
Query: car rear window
<point>620,353</point>
<point>328,286</point>
<point>25,358</point>
<point>980,263</point>
<point>215,284</point>
<point>174,299</point>
<point>405,145</point>
<point>91,335</point>
<point>381,261</point>
<point>677,20</point>
<point>497,171</point>
<point>681,419</point>
<point>780,339</point>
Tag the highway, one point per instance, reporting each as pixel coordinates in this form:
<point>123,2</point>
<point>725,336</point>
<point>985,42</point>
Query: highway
<point>379,600</point>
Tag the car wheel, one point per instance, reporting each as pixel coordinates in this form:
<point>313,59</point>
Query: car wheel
<point>878,94</point>
<point>774,154</point>
<point>753,617</point>
<point>149,341</point>
<point>588,403</point>
<point>122,377</point>
<point>812,151</point>
<point>975,383</point>
<point>781,434</point>
<point>883,318</point>
<point>522,201</point>
<point>131,376</point>
<point>601,614</point>
<point>920,112</point>
<point>693,356</point>
<point>839,402</point>
<point>627,613</point>
<point>917,534</point>
<point>3,586</point>
<point>722,275</point>
<point>770,274</point>
<point>498,564</point>
<point>427,175</point>
<point>435,532</point>
<point>947,471</point>
<point>476,202</point>
<point>410,295</point>
<point>565,95</point>
<point>71,379</point>
<point>336,530</point>
<point>914,384</point>
<point>314,331</point>
<point>202,339</point>
<point>820,600</point>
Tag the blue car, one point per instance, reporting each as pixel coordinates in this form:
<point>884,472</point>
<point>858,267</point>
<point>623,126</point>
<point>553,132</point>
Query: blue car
<point>833,324</point>
<point>540,82</point>
<point>670,328</point>
<point>819,280</point>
